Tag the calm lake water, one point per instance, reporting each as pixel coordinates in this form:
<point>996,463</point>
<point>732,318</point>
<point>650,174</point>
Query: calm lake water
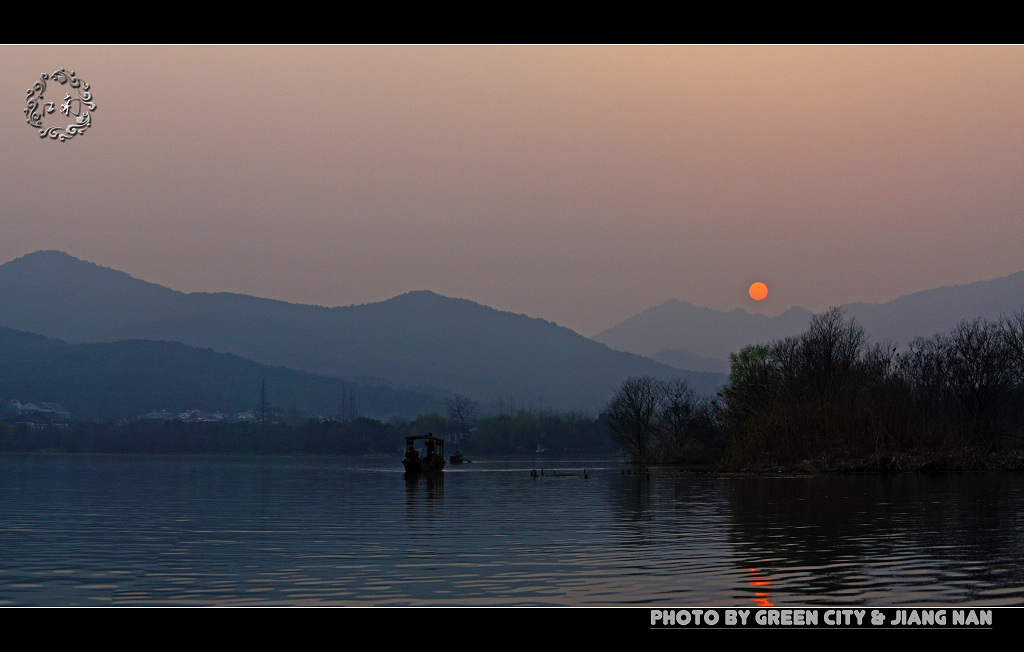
<point>147,530</point>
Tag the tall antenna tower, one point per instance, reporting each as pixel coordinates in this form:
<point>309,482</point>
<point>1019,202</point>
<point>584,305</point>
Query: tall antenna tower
<point>263,405</point>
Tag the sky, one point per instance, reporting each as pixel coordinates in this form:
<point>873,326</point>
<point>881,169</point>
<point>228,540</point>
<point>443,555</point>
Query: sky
<point>578,184</point>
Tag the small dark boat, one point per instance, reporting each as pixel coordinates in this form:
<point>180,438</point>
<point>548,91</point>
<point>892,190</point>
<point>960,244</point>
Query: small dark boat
<point>457,458</point>
<point>432,458</point>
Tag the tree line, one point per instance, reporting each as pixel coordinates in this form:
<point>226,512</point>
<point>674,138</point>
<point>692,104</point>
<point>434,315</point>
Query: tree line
<point>654,420</point>
<point>830,399</point>
<point>522,433</point>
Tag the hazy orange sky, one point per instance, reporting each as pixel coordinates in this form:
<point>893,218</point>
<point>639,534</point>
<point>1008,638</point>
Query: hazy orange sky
<point>580,184</point>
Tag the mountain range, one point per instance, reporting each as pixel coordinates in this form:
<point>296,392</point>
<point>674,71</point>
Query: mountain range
<point>419,340</point>
<point>420,345</point>
<point>684,335</point>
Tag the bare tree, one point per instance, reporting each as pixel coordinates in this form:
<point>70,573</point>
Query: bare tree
<point>632,416</point>
<point>832,347</point>
<point>922,367</point>
<point>460,410</point>
<point>1013,333</point>
<point>977,369</point>
<point>679,406</point>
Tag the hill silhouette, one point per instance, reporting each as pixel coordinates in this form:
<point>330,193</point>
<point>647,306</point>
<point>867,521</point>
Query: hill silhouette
<point>680,333</point>
<point>121,379</point>
<point>418,339</point>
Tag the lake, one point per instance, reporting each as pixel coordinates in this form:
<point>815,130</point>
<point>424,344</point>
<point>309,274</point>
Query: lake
<point>151,530</point>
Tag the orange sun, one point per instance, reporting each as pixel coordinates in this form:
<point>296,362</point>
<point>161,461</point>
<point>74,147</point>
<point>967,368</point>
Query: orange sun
<point>758,291</point>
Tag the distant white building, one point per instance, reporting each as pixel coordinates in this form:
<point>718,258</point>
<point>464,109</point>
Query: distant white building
<point>57,409</point>
<point>39,416</point>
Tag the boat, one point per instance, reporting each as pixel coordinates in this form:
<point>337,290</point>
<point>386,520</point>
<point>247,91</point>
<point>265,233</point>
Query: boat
<point>430,460</point>
<point>457,458</point>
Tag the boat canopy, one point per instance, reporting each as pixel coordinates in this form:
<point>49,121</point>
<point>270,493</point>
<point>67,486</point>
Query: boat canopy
<point>413,438</point>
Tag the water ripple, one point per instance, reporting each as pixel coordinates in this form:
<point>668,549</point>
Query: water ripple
<point>324,531</point>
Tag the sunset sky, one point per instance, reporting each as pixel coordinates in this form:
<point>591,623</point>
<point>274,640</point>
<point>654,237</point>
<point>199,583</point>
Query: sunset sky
<point>580,184</point>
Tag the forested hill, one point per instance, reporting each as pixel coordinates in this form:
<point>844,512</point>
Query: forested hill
<point>122,379</point>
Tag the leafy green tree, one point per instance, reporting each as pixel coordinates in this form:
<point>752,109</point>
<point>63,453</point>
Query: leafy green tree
<point>428,423</point>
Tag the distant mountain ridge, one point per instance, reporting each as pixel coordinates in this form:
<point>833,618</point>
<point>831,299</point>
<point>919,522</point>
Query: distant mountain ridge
<point>416,339</point>
<point>677,331</point>
<point>937,311</point>
<point>121,379</point>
